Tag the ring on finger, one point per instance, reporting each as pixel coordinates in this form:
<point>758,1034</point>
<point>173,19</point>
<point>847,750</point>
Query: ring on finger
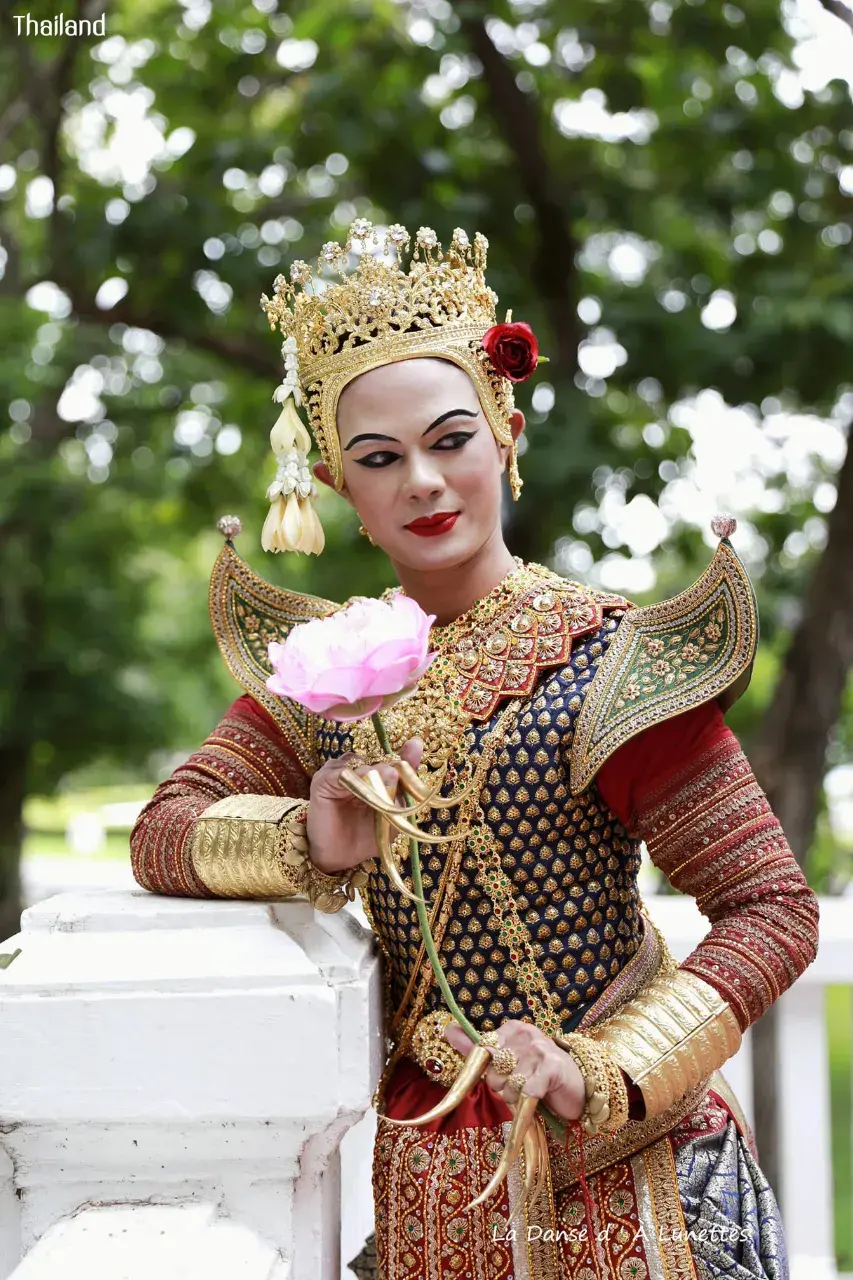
<point>517,1080</point>
<point>504,1061</point>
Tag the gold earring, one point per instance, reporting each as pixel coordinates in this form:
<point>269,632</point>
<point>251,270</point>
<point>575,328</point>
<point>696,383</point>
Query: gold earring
<point>515,480</point>
<point>362,530</point>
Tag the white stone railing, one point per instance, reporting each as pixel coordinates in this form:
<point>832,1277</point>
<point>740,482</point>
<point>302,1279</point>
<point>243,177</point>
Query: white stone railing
<point>175,1081</point>
<point>182,1085</point>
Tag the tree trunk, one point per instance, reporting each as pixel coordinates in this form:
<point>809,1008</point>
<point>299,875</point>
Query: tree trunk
<point>789,756</point>
<point>13,773</point>
<point>519,121</point>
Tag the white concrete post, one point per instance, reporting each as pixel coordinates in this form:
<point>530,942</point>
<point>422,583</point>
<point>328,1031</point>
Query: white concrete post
<point>806,1192</point>
<point>181,1066</point>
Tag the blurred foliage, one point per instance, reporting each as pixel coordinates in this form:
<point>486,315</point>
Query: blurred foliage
<point>200,147</point>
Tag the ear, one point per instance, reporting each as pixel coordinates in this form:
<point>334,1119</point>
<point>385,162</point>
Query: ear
<point>322,473</point>
<point>516,426</point>
<point>516,423</point>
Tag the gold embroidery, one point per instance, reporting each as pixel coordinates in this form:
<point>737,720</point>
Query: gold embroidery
<point>606,1148</point>
<point>493,742</point>
<point>467,680</point>
<point>513,934</point>
<point>670,1234</point>
<point>235,846</point>
<point>247,613</point>
<point>666,658</point>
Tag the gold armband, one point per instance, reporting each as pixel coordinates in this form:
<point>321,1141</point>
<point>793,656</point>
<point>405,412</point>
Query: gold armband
<point>607,1104</point>
<point>670,1037</point>
<point>253,846</point>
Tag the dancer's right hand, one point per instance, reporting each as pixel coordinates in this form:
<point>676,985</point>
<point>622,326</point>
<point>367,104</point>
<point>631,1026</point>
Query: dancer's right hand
<point>340,827</point>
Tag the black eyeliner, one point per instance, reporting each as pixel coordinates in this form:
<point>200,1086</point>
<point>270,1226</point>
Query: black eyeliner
<point>463,436</point>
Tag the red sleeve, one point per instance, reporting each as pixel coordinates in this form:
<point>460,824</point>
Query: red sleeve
<point>686,788</point>
<point>644,763</point>
<point>247,752</point>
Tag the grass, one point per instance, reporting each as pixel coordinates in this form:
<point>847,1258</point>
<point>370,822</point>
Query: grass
<point>46,819</point>
<point>53,844</point>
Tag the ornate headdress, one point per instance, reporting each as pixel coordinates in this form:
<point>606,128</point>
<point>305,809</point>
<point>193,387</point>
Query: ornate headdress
<point>376,315</point>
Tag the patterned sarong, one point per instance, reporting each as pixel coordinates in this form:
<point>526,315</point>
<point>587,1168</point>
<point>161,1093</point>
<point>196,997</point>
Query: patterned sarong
<point>692,1205</point>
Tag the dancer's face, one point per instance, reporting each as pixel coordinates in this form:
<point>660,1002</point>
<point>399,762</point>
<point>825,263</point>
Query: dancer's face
<point>415,443</point>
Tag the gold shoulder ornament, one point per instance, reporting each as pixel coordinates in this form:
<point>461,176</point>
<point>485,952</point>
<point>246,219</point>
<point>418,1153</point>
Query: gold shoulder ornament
<point>248,613</point>
<point>669,657</point>
<point>665,659</point>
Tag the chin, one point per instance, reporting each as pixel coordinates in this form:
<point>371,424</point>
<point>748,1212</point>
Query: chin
<point>446,552</point>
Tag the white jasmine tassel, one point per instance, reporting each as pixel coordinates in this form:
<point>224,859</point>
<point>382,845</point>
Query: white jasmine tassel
<point>292,524</point>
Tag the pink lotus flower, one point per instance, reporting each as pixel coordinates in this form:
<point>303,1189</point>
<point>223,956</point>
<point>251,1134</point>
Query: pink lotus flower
<point>357,661</point>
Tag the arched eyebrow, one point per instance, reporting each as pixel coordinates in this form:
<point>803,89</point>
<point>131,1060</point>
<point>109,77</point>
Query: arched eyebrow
<point>372,435</point>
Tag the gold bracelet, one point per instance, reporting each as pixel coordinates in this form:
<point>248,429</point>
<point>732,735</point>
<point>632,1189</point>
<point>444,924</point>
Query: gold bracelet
<point>607,1104</point>
<point>325,892</point>
<point>434,1055</point>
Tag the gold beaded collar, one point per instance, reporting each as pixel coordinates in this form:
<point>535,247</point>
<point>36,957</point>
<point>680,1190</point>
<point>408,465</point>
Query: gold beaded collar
<point>497,648</point>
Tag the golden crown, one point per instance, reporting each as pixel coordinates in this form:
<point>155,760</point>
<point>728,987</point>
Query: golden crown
<point>378,313</point>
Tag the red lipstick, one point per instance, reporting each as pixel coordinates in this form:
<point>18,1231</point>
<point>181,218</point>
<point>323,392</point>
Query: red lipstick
<point>432,526</point>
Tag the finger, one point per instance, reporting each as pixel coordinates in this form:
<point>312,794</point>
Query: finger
<point>508,1093</point>
<point>330,772</point>
<point>496,1081</point>
<point>456,1037</point>
<point>389,776</point>
<point>527,1070</point>
<point>525,1040</point>
<point>348,759</point>
<point>536,1085</point>
<point>412,752</point>
<point>386,771</point>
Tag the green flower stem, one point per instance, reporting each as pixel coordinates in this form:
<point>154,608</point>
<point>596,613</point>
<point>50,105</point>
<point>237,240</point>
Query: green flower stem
<point>429,942</point>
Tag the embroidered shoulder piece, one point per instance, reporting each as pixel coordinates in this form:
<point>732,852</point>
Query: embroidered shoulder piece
<point>247,613</point>
<point>667,658</point>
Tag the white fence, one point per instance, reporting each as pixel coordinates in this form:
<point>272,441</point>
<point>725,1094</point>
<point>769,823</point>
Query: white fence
<point>177,1078</point>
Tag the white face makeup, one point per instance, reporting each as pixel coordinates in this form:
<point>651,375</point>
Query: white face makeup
<point>420,463</point>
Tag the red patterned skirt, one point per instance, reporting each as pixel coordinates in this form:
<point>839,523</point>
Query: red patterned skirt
<point>692,1204</point>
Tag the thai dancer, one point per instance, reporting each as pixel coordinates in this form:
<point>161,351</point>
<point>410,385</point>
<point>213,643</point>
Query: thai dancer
<point>566,727</point>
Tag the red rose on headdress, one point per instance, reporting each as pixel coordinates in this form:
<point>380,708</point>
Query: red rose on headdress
<point>512,349</point>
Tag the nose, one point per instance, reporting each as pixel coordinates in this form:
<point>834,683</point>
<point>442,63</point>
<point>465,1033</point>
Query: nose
<point>423,480</point>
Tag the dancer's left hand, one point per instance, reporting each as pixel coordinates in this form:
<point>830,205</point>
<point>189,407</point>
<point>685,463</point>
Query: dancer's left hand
<point>550,1073</point>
